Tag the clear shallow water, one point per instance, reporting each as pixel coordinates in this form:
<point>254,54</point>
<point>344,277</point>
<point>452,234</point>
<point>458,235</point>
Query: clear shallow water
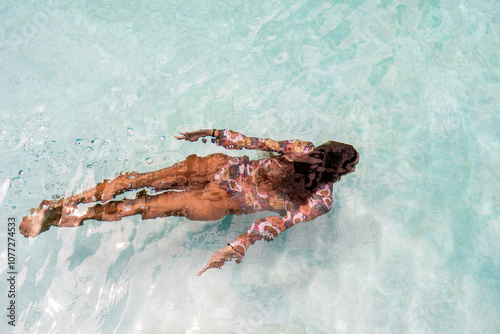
<point>92,89</point>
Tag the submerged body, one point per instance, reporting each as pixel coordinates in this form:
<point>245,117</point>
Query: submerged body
<point>296,184</point>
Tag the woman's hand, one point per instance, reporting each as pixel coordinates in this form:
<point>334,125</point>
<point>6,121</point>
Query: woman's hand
<point>221,256</point>
<point>194,135</point>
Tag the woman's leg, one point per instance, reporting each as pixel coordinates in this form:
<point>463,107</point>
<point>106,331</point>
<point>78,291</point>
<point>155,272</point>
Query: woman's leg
<point>210,203</point>
<point>193,173</point>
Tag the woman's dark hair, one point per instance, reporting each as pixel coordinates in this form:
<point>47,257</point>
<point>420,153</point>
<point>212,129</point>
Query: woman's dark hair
<point>324,164</point>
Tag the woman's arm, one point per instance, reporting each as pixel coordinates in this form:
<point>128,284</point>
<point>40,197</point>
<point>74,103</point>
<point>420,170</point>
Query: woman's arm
<point>269,228</point>
<point>236,141</point>
<point>233,140</point>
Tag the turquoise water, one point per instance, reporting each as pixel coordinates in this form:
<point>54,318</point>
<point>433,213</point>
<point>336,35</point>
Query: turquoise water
<point>90,89</point>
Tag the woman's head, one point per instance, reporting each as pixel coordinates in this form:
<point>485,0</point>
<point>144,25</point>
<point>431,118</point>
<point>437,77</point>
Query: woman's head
<point>338,159</point>
<point>324,164</point>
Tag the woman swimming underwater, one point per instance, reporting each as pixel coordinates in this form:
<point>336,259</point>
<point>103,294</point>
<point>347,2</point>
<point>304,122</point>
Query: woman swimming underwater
<point>297,184</point>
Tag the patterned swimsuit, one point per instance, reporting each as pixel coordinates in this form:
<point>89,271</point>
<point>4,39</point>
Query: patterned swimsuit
<point>239,178</point>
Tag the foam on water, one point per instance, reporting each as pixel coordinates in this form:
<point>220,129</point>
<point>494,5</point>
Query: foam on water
<point>90,89</point>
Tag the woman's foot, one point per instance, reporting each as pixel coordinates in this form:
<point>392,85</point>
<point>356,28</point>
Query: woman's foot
<point>48,214</point>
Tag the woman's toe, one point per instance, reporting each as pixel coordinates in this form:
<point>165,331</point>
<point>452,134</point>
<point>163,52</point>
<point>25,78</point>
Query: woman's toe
<point>27,228</point>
